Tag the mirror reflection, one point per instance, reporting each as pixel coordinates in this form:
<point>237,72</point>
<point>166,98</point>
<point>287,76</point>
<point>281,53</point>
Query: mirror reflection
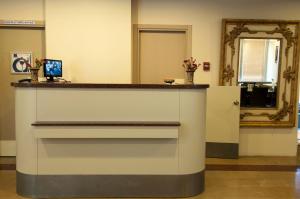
<point>259,61</point>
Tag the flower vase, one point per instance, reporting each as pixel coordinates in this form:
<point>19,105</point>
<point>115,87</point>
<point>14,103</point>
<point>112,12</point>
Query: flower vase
<point>34,75</point>
<point>190,77</point>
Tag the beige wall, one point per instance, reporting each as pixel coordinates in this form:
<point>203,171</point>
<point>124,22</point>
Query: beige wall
<point>205,17</point>
<point>93,37</point>
<point>22,10</point>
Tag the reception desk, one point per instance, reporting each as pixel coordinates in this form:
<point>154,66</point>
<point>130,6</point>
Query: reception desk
<point>110,140</point>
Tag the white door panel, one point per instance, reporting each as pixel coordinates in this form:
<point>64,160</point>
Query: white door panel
<point>222,117</point>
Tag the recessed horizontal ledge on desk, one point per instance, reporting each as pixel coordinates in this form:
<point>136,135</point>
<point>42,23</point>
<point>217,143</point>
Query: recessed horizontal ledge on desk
<point>106,130</point>
<point>104,123</point>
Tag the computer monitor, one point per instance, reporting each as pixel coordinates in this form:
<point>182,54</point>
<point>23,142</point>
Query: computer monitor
<point>52,68</point>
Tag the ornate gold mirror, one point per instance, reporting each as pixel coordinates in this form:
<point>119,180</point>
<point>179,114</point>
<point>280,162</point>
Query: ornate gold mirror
<point>261,56</point>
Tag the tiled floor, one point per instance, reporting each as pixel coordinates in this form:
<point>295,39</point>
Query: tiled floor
<point>219,185</point>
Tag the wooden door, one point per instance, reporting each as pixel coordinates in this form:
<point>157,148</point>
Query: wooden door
<point>160,54</point>
<point>12,40</point>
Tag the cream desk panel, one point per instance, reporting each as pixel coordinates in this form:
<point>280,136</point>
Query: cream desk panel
<point>107,105</point>
<point>184,106</point>
<point>25,112</point>
<point>107,156</point>
<point>106,132</point>
<point>191,138</point>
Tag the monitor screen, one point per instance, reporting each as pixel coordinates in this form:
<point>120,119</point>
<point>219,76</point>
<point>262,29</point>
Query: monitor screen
<point>52,68</point>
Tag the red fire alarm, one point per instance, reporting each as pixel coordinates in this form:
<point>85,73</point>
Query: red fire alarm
<point>206,66</point>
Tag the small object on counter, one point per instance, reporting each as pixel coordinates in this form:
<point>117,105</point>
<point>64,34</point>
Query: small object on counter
<point>179,81</point>
<point>169,81</point>
<point>28,80</point>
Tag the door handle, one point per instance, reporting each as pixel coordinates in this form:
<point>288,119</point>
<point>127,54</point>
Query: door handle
<point>236,103</point>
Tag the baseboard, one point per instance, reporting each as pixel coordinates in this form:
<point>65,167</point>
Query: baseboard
<point>222,150</point>
<point>7,148</point>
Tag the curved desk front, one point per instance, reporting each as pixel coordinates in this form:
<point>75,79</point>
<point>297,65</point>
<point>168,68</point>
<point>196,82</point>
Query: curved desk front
<point>110,140</point>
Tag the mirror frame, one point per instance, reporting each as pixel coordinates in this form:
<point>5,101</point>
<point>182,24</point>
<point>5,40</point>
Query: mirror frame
<point>284,115</point>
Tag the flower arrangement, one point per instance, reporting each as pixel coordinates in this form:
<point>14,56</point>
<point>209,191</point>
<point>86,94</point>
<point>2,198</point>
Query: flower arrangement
<point>38,63</point>
<point>190,65</point>
<point>34,70</point>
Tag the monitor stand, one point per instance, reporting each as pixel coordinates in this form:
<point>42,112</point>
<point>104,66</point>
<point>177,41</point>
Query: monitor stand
<point>51,79</point>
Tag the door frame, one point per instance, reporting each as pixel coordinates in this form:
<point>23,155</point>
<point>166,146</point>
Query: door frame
<point>29,24</point>
<point>8,147</point>
<point>138,28</point>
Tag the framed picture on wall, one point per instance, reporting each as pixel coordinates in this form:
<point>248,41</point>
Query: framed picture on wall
<point>21,62</point>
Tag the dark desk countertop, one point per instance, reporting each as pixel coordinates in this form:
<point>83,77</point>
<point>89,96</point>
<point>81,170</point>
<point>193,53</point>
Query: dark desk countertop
<point>94,85</point>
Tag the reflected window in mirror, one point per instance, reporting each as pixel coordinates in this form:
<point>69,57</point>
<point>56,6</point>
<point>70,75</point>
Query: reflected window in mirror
<point>259,60</point>
<point>258,71</point>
